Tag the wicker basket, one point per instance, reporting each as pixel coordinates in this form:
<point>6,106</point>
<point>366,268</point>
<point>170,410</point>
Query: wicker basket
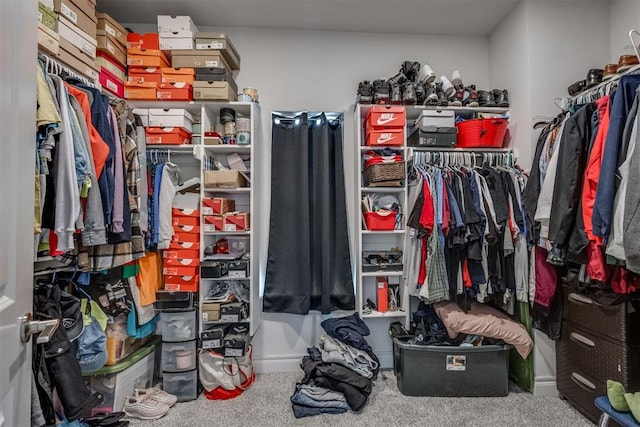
<point>384,172</point>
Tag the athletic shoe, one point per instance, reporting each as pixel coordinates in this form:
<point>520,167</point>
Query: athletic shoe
<point>380,92</point>
<point>426,74</point>
<point>409,94</point>
<point>442,97</point>
<point>456,78</point>
<point>431,97</point>
<point>421,93</point>
<point>447,87</point>
<point>156,393</point>
<point>411,70</point>
<point>365,92</point>
<point>472,100</point>
<point>500,97</point>
<point>398,79</point>
<point>485,99</point>
<point>144,407</point>
<point>396,95</point>
<point>458,97</point>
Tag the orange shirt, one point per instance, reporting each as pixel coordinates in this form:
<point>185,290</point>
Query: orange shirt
<point>149,277</point>
<point>99,148</point>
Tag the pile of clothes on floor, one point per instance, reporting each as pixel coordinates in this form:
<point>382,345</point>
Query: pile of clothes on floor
<point>339,372</point>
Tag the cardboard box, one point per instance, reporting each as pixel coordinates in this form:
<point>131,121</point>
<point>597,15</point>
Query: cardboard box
<point>177,75</point>
<point>172,136</point>
<point>111,46</point>
<point>78,60</point>
<point>47,4</point>
<point>210,311</point>
<point>212,338</point>
<point>224,179</point>
<point>185,220</point>
<point>173,270</point>
<point>382,294</point>
<point>182,262</point>
<point>231,312</point>
<point>87,6</point>
<point>86,22</point>
<point>170,24</point>
<point>171,117</point>
<point>214,91</point>
<point>104,60</point>
<point>236,221</point>
<point>143,90</point>
<point>219,41</point>
<point>198,59</point>
<point>78,38</point>
<point>48,40</point>
<point>111,83</point>
<point>212,223</point>
<point>217,205</point>
<point>386,116</point>
<point>143,41</point>
<point>146,58</point>
<point>181,283</point>
<point>46,16</point>
<point>384,137</point>
<point>181,254</point>
<point>184,245</point>
<point>113,28</point>
<point>145,75</point>
<point>180,91</point>
<point>185,212</point>
<point>191,229</point>
<point>176,43</point>
<point>238,269</point>
<point>182,237</point>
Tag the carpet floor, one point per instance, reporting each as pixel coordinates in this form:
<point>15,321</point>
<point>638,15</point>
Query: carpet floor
<point>267,403</point>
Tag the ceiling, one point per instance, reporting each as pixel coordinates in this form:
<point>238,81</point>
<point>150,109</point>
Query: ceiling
<point>446,17</point>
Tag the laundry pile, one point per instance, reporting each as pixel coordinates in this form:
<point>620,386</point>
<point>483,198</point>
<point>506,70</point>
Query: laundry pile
<point>339,373</point>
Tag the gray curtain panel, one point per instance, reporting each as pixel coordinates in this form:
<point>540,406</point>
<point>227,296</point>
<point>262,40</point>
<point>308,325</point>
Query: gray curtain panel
<point>309,264</point>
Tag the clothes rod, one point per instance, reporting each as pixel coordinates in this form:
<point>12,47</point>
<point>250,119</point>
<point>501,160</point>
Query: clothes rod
<point>53,66</point>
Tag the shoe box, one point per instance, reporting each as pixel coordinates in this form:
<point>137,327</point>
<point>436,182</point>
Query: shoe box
<point>214,74</point>
<point>434,128</point>
<point>48,40</point>
<point>221,43</point>
<point>373,261</point>
<point>46,15</point>
<point>198,59</point>
<point>384,125</point>
<point>231,339</point>
<point>117,381</point>
<point>80,13</point>
<point>171,117</point>
<point>214,91</point>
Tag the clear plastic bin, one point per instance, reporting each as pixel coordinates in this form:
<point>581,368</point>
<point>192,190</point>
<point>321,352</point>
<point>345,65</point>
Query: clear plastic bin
<point>184,385</point>
<point>178,326</point>
<point>179,356</point>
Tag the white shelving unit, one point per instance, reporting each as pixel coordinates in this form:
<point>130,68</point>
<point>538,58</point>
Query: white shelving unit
<point>246,198</point>
<point>367,240</point>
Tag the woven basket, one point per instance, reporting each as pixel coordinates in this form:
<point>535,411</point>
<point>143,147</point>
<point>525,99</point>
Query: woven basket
<point>384,172</point>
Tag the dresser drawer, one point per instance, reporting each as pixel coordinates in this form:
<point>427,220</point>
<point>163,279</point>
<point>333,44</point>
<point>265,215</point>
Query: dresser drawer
<point>579,388</point>
<point>619,322</point>
<point>601,358</point>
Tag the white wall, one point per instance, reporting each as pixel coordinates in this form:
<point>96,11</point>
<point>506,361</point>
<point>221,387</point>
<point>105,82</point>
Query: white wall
<point>310,70</point>
<point>509,67</point>
<point>624,16</point>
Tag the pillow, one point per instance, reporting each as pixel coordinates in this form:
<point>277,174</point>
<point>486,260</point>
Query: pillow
<point>485,321</point>
<point>615,393</point>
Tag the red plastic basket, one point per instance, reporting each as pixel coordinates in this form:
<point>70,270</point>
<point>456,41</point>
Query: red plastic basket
<point>380,221</point>
<point>481,133</point>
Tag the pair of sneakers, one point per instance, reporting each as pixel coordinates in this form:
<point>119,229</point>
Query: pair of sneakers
<point>149,404</point>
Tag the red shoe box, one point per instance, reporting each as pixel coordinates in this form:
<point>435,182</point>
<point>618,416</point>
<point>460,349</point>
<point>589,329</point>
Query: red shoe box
<point>182,262</point>
<point>145,75</point>
<point>181,283</point>
<point>217,205</point>
<point>185,220</point>
<point>176,136</point>
<point>178,75</point>
<point>236,221</point>
<point>179,91</point>
<point>181,254</point>
<point>173,270</point>
<point>178,245</point>
<point>185,237</point>
<point>213,223</point>
<point>111,82</point>
<point>185,212</point>
<point>385,137</point>
<point>385,116</point>
<point>189,229</point>
<point>143,41</point>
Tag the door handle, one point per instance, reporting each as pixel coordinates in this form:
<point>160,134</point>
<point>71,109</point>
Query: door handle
<point>43,328</point>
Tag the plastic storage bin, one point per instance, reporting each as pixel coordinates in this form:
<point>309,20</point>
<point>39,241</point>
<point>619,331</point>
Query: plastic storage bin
<point>179,356</point>
<point>178,326</point>
<point>184,385</point>
<point>120,380</point>
<point>380,221</point>
<point>451,371</point>
<point>481,133</point>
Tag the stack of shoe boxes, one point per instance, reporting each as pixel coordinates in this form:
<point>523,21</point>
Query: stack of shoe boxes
<point>48,38</point>
<point>144,59</point>
<point>214,80</point>
<point>173,126</point>
<point>176,33</point>
<point>182,259</point>
<point>112,54</point>
<point>76,24</point>
<point>384,126</point>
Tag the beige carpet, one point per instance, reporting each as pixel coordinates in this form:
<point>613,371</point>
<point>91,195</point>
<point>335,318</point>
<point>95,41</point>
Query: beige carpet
<point>267,403</point>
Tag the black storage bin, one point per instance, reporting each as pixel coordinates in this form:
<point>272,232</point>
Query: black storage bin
<point>451,371</point>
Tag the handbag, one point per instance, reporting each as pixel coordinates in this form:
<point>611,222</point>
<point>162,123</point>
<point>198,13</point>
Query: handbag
<point>225,377</point>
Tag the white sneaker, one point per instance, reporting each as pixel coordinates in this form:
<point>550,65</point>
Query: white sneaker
<point>426,74</point>
<point>456,78</point>
<point>156,393</point>
<point>447,87</point>
<point>144,407</point>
